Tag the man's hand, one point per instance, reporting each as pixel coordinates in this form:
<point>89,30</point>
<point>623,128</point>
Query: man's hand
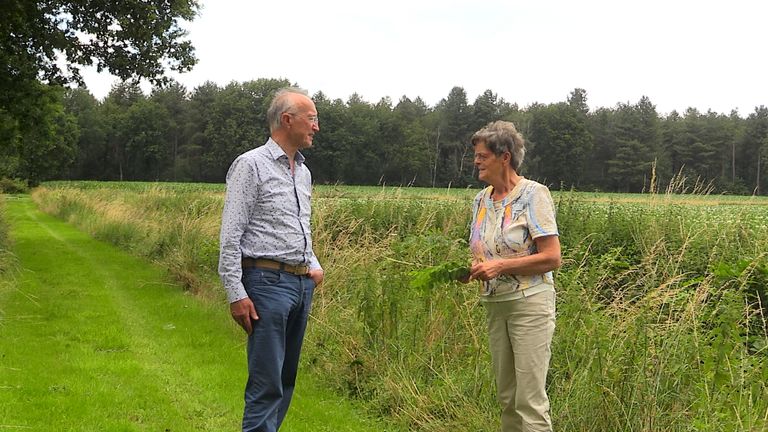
<point>243,312</point>
<point>317,275</point>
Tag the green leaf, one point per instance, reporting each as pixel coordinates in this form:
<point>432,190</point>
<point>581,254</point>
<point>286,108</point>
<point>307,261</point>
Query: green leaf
<point>431,277</point>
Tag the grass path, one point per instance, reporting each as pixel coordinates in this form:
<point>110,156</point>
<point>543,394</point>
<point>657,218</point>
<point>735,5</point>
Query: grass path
<point>93,339</point>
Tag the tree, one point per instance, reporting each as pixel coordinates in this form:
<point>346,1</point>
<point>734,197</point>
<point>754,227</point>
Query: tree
<point>578,100</point>
<point>115,111</point>
<point>132,39</point>
<point>719,132</point>
<point>389,142</point>
<point>237,122</point>
<point>635,134</point>
<point>45,151</point>
<point>173,99</point>
<point>484,110</point>
<point>129,38</point>
<point>755,149</point>
<point>415,155</point>
<point>92,148</point>
<point>147,152</point>
<point>735,130</point>
<point>361,164</point>
<point>600,126</point>
<point>560,143</point>
<point>453,151</point>
<point>327,156</point>
<point>690,153</point>
<point>192,153</point>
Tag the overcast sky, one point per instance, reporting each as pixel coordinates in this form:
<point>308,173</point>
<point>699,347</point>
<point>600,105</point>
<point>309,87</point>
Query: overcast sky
<point>680,53</point>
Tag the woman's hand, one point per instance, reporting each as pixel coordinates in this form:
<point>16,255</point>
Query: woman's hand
<point>546,259</point>
<point>485,270</point>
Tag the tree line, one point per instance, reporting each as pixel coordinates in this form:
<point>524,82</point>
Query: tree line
<point>173,134</point>
<point>50,132</point>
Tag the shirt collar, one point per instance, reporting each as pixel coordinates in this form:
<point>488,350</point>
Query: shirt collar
<point>511,196</point>
<point>277,152</point>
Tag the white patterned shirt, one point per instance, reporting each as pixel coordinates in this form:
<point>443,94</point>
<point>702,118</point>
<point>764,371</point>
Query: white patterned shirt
<point>266,214</point>
<point>509,228</point>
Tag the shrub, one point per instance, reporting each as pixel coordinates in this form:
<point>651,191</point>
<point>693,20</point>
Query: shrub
<point>13,186</point>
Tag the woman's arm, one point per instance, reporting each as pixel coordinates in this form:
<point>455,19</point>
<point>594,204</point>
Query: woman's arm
<point>546,259</point>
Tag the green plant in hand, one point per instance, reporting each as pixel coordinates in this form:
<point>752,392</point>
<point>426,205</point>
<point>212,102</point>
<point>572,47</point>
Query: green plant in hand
<point>431,277</point>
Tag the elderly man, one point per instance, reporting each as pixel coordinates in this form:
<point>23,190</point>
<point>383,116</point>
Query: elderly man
<point>266,262</point>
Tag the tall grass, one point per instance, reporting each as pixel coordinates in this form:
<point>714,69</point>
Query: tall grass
<point>661,301</point>
<point>8,263</point>
<point>7,259</point>
<point>4,240</point>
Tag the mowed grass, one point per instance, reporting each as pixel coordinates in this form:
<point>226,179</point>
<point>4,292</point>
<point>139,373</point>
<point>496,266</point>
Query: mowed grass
<point>92,339</point>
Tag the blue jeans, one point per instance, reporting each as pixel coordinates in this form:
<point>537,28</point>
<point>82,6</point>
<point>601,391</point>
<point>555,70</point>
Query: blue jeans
<point>282,302</point>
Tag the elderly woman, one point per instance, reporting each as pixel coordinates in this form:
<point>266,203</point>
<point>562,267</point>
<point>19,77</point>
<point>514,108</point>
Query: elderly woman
<point>515,246</point>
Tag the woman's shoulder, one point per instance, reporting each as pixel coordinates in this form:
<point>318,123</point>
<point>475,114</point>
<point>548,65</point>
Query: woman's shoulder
<point>533,185</point>
<point>533,190</point>
<point>482,193</point>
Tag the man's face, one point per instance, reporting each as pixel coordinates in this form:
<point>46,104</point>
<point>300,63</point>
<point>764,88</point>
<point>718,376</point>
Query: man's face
<point>304,123</point>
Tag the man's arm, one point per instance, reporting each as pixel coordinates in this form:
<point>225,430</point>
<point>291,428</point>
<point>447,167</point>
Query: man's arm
<point>242,189</point>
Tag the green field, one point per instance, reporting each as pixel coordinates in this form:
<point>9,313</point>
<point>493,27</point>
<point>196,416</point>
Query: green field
<point>93,339</point>
<point>661,318</point>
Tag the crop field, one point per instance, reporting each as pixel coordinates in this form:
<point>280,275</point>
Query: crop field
<point>661,320</point>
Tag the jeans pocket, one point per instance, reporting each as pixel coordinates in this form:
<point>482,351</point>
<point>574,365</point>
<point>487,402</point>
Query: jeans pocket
<point>259,276</point>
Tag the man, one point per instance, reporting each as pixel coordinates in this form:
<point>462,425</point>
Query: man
<point>266,261</point>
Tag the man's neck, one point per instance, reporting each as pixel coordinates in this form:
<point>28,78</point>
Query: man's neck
<point>288,150</point>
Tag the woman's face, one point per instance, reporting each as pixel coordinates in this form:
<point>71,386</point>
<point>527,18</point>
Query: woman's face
<point>489,166</point>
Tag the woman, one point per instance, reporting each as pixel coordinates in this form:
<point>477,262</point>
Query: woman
<point>515,246</point>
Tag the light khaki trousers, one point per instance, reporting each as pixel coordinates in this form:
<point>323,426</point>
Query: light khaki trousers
<point>520,334</point>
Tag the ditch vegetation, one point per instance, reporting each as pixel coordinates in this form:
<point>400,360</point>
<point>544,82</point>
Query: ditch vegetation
<point>661,322</point>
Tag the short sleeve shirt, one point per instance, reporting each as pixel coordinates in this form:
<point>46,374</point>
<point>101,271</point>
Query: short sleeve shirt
<point>507,229</point>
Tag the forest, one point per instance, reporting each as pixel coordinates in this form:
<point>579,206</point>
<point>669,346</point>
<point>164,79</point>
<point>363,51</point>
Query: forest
<point>53,128</point>
<point>174,134</point>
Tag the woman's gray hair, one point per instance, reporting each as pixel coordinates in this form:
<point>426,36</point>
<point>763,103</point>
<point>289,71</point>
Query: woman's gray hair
<point>502,136</point>
<point>281,104</point>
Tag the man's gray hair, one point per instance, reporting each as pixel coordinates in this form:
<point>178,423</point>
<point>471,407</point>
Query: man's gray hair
<point>281,104</point>
<point>501,136</point>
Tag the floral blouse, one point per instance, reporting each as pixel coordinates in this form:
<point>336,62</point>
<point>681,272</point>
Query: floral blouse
<point>506,229</point>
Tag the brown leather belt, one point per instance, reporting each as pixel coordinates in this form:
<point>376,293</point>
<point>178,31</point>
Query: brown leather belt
<point>298,270</point>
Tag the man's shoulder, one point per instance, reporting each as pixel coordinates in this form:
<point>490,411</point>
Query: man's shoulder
<point>253,160</point>
<point>260,151</point>
<point>256,154</point>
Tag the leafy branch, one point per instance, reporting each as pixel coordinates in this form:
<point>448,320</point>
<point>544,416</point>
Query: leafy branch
<point>431,277</point>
